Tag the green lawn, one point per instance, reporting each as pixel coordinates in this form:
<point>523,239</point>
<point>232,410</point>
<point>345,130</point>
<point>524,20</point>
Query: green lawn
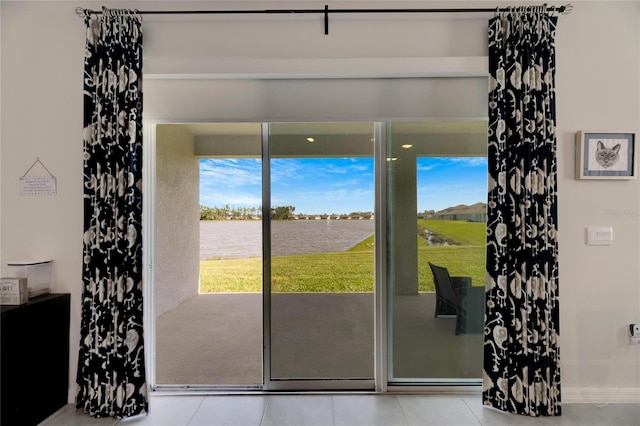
<point>352,270</point>
<point>465,233</point>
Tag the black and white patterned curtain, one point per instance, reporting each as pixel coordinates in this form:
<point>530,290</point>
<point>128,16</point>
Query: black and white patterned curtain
<point>111,380</point>
<point>521,349</point>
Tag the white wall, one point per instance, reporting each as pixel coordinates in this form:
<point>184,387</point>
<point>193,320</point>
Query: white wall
<point>598,81</point>
<point>597,88</point>
<point>0,134</point>
<point>42,117</point>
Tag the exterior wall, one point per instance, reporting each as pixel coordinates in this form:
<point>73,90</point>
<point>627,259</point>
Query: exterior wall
<point>177,233</point>
<point>597,89</point>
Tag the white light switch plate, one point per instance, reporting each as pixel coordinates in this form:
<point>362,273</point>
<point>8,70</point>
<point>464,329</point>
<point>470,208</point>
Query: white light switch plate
<point>599,236</point>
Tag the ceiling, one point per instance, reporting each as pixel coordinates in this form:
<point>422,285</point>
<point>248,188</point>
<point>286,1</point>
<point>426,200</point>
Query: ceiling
<point>345,139</point>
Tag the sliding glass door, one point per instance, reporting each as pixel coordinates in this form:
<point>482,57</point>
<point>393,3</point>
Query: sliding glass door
<point>274,272</point>
<point>436,231</point>
<point>321,331</point>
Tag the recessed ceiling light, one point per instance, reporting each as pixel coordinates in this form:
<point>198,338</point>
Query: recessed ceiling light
<point>311,140</point>
<point>407,146</point>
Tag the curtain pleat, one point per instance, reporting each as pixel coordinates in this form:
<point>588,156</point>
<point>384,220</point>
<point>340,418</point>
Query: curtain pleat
<point>111,378</point>
<point>521,348</point>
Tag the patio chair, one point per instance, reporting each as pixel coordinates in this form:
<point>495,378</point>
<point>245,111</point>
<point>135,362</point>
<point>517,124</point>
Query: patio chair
<point>455,296</point>
<point>447,293</point>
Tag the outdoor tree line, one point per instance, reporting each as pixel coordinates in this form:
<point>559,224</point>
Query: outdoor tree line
<point>244,213</point>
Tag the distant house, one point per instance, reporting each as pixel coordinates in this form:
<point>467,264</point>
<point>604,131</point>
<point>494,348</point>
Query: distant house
<point>474,213</point>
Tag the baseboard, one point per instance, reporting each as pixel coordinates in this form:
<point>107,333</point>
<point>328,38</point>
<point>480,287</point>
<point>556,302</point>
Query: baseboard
<point>71,395</point>
<point>600,395</point>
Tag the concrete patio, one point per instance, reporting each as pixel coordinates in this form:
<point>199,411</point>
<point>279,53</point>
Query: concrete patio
<point>216,339</point>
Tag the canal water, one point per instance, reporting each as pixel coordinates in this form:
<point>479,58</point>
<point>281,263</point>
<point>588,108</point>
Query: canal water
<point>233,239</point>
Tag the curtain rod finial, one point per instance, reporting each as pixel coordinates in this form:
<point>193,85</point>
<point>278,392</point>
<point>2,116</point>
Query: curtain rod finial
<point>567,9</point>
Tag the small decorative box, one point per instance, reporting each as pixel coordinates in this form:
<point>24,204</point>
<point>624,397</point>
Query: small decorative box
<point>13,291</point>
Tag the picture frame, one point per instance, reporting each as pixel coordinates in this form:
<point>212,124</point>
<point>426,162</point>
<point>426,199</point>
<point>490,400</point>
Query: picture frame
<point>606,155</point>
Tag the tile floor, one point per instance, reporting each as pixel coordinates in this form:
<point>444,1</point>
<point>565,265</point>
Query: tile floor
<point>348,410</point>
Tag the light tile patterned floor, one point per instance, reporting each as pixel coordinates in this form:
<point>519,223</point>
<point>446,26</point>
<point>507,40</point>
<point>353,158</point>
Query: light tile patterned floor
<point>347,410</point>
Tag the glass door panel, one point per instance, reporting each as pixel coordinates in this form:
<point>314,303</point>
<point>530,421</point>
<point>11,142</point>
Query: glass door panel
<point>322,253</point>
<point>436,192</point>
<point>208,285</point>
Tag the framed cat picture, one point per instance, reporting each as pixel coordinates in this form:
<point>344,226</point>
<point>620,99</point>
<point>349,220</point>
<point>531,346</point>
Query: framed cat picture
<point>605,155</point>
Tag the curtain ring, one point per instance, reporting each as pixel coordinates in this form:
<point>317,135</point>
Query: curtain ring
<point>107,13</point>
<point>81,12</point>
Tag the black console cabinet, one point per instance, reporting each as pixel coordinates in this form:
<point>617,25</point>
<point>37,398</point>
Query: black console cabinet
<point>34,358</point>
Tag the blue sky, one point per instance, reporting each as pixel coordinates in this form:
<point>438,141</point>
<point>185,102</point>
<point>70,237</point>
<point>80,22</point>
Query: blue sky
<point>336,185</point>
<point>447,182</point>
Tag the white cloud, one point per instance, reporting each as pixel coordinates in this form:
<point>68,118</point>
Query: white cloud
<point>230,172</point>
<point>470,161</point>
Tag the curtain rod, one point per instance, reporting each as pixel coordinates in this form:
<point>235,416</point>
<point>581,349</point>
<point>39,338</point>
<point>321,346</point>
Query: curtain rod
<point>565,10</point>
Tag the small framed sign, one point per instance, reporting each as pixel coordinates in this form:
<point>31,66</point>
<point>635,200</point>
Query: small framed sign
<point>605,155</point>
<point>38,185</point>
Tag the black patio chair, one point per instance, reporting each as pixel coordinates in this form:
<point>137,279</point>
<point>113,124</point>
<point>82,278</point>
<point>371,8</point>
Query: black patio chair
<point>447,293</point>
<point>455,296</point>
